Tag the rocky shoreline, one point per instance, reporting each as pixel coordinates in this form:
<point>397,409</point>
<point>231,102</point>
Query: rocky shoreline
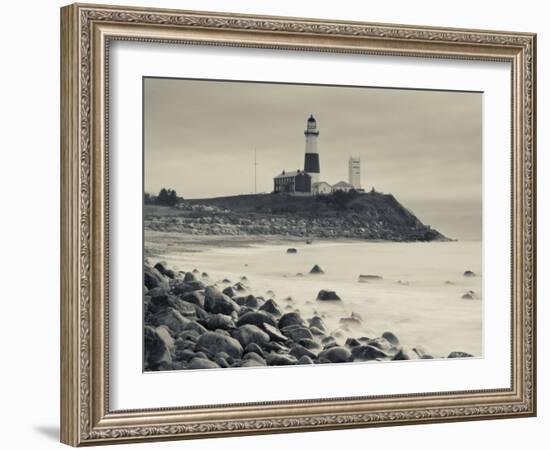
<point>192,322</point>
<point>372,216</point>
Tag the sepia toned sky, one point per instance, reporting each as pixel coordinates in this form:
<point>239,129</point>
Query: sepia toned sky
<point>424,147</point>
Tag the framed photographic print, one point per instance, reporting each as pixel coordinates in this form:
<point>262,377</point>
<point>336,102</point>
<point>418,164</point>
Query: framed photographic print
<point>276,224</point>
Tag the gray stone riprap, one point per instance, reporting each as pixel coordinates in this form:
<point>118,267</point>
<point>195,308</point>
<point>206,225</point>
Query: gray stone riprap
<point>192,323</point>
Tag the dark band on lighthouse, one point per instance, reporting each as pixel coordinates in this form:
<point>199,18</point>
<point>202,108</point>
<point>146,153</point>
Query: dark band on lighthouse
<point>311,162</point>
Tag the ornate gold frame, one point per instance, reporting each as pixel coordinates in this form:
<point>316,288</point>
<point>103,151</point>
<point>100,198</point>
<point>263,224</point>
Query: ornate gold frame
<point>86,31</point>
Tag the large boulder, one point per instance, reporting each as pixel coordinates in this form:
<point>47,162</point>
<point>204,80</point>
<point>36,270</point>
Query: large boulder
<point>327,295</point>
<point>276,359</point>
<point>155,348</point>
<point>250,334</point>
<point>194,297</point>
<point>214,343</point>
<point>297,332</point>
<point>152,278</point>
<point>219,321</point>
<point>274,333</point>
<point>254,348</point>
<point>171,318</point>
<point>318,323</point>
<point>291,318</point>
<point>201,363</point>
<point>163,268</point>
<point>271,307</point>
<point>216,302</point>
<point>298,351</point>
<point>195,326</point>
<point>181,287</point>
<point>368,353</point>
<point>256,357</point>
<point>257,318</point>
<point>336,354</point>
<point>247,300</point>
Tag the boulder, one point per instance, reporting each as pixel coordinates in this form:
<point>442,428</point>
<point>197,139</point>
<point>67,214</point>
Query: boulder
<point>213,343</point>
<point>171,318</point>
<point>274,333</point>
<point>194,297</point>
<point>181,287</point>
<point>310,344</point>
<point>256,357</point>
<point>229,292</point>
<point>297,332</point>
<point>470,295</point>
<point>253,363</point>
<point>460,355</point>
<point>352,342</point>
<point>469,273</point>
<point>336,354</point>
<point>271,307</point>
<point>317,322</point>
<point>391,338</point>
<point>298,351</point>
<point>368,353</point>
<point>305,360</point>
<point>366,278</point>
<point>405,354</point>
<point>162,267</point>
<point>422,353</point>
<point>276,359</point>
<point>250,334</point>
<point>254,348</point>
<point>291,318</point>
<point>257,318</point>
<point>219,321</point>
<point>326,295</point>
<point>316,331</point>
<point>291,250</point>
<point>155,349</point>
<point>316,270</point>
<point>152,278</point>
<point>216,302</point>
<point>189,335</point>
<point>249,300</point>
<point>190,277</point>
<point>200,363</point>
<point>195,326</point>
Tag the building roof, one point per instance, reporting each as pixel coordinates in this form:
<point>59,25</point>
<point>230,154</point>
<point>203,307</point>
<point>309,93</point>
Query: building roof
<point>342,184</point>
<point>320,182</point>
<point>291,174</point>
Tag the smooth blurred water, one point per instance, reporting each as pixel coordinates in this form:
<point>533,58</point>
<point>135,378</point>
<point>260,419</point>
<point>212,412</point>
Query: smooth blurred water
<point>412,300</point>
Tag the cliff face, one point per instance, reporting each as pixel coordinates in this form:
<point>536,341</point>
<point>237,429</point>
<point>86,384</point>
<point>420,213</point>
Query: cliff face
<point>370,216</point>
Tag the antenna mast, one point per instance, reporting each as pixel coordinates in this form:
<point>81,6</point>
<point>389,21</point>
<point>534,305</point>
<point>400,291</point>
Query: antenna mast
<point>255,165</point>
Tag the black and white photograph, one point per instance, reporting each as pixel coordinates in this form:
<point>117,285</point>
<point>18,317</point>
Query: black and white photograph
<point>291,224</point>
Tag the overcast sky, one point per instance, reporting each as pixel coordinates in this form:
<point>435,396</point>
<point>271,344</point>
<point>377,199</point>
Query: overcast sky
<point>424,147</point>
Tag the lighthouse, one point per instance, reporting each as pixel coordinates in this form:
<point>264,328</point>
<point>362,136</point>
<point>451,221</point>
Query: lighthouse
<point>311,163</point>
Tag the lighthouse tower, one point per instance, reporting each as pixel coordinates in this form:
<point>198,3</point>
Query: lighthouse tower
<point>311,164</point>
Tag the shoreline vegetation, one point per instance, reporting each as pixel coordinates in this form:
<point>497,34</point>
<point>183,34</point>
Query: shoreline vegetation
<point>369,216</point>
<point>194,322</point>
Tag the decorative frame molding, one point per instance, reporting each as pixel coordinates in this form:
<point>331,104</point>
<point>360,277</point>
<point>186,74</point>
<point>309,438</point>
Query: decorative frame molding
<point>86,31</point>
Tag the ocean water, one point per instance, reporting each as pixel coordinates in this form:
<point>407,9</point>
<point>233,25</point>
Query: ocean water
<point>419,297</point>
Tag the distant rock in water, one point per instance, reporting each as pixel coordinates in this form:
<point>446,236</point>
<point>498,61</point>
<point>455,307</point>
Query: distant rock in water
<point>291,250</point>
<point>308,242</point>
<point>326,295</point>
<point>469,273</point>
<point>470,295</point>
<point>316,270</point>
<point>299,274</point>
<point>448,282</point>
<point>367,278</point>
